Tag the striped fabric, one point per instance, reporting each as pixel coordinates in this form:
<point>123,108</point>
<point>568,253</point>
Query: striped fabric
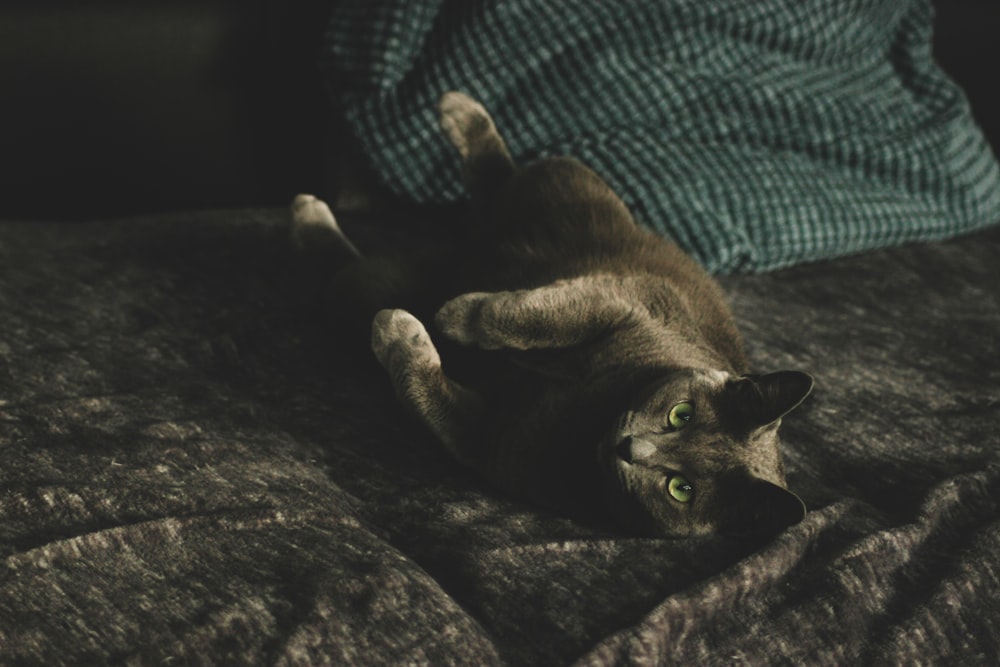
<point>756,134</point>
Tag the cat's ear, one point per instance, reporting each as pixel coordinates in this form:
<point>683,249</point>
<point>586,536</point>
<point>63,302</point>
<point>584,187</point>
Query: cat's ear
<point>766,509</point>
<point>764,399</point>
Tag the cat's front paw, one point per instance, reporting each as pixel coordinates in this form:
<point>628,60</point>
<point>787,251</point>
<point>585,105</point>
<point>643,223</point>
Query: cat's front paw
<point>466,319</point>
<point>398,338</point>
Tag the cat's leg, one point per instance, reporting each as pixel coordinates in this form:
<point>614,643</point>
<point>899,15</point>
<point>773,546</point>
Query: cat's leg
<point>451,411</point>
<point>344,288</point>
<point>315,231</point>
<point>486,162</point>
<point>562,314</point>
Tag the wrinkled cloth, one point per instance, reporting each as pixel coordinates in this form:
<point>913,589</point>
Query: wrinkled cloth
<point>194,468</point>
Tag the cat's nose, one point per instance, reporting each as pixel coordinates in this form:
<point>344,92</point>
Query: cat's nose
<point>624,449</point>
<point>630,449</point>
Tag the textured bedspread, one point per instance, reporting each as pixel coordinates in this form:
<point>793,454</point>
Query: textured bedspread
<point>193,470</point>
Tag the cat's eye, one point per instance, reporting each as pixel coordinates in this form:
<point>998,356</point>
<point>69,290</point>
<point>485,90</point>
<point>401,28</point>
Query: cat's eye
<point>680,415</point>
<point>680,489</point>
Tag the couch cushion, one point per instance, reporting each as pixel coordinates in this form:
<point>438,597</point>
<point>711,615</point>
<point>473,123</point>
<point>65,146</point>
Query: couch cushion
<point>756,134</point>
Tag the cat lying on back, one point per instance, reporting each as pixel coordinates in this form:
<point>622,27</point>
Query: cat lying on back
<point>611,380</point>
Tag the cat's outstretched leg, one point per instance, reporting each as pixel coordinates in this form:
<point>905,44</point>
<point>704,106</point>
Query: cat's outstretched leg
<point>315,230</point>
<point>486,162</point>
<point>405,350</point>
<point>565,313</point>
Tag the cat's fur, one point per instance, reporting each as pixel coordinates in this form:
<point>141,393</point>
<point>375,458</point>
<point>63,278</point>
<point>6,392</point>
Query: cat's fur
<point>591,329</point>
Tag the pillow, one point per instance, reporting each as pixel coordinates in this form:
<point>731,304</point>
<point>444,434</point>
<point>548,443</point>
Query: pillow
<point>757,135</point>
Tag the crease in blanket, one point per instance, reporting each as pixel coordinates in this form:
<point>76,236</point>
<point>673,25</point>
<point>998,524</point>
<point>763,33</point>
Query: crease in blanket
<point>910,572</point>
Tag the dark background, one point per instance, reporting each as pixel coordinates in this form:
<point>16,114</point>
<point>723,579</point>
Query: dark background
<point>115,108</point>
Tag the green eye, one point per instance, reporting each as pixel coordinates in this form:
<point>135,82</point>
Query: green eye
<point>680,415</point>
<point>680,489</point>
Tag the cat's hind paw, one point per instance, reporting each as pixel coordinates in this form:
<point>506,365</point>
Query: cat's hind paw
<point>464,120</point>
<point>312,220</point>
<point>313,226</point>
<point>311,210</point>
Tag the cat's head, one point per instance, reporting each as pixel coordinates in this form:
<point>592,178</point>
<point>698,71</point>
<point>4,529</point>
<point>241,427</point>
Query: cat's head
<point>698,452</point>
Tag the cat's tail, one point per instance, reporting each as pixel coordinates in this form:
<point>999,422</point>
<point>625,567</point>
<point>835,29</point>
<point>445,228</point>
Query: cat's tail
<point>486,162</point>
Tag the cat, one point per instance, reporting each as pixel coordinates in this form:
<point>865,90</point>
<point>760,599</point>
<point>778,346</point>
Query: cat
<point>604,376</point>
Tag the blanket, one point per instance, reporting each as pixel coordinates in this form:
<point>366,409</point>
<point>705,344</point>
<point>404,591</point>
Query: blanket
<point>195,469</point>
<point>756,134</point>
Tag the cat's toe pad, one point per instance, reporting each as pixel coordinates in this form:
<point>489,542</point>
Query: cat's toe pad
<point>463,119</point>
<point>399,337</point>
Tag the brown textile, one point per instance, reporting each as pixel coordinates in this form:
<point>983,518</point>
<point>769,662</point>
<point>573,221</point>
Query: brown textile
<point>193,468</point>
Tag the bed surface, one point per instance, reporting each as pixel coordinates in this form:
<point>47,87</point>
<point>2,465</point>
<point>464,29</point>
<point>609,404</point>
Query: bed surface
<point>194,469</point>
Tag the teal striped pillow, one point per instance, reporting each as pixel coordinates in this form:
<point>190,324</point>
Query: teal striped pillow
<point>756,134</point>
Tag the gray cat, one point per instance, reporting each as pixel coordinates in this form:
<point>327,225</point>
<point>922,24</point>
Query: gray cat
<point>608,378</point>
